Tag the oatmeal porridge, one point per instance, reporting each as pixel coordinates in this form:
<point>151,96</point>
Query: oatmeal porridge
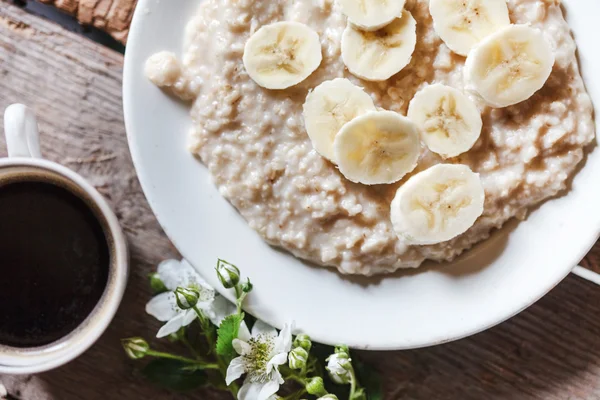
<point>254,141</point>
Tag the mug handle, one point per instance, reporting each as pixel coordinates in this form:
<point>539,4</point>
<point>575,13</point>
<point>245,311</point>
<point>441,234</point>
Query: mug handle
<point>21,132</point>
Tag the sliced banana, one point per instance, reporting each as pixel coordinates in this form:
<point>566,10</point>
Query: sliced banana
<point>370,15</point>
<point>377,148</point>
<point>282,54</point>
<point>437,204</point>
<point>376,56</point>
<point>449,123</point>
<point>509,66</point>
<point>329,107</point>
<point>461,24</point>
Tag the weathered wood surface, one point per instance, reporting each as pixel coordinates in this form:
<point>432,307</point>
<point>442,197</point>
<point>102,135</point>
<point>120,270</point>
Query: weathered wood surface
<point>112,16</point>
<point>551,351</point>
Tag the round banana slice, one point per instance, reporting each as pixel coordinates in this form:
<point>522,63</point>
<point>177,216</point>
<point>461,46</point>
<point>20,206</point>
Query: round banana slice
<point>437,204</point>
<point>370,15</point>
<point>329,107</point>
<point>282,54</point>
<point>377,148</point>
<point>462,24</point>
<point>449,123</point>
<point>509,66</point>
<point>376,56</point>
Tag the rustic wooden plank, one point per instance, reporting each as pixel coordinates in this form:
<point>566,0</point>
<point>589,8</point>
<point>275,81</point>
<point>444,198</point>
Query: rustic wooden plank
<point>592,260</point>
<point>551,351</point>
<point>112,16</point>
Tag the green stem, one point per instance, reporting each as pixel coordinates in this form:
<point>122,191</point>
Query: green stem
<point>353,383</point>
<point>296,378</point>
<point>205,325</point>
<point>233,387</point>
<point>221,366</point>
<point>240,296</point>
<point>295,396</point>
<point>186,360</point>
<point>191,348</point>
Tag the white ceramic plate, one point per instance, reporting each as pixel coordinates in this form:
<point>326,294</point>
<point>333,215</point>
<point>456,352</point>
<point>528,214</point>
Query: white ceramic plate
<point>491,283</point>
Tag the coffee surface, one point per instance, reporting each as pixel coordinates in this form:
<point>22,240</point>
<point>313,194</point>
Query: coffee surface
<point>54,261</point>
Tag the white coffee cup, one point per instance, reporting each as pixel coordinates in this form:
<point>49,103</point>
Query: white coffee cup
<point>26,162</point>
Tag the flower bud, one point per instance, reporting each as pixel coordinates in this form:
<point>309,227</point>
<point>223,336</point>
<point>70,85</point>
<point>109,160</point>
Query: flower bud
<point>342,348</point>
<point>328,396</point>
<point>339,367</point>
<point>186,297</point>
<point>297,358</point>
<point>228,274</point>
<point>156,284</point>
<point>315,386</point>
<point>135,347</point>
<point>303,341</point>
<point>247,287</point>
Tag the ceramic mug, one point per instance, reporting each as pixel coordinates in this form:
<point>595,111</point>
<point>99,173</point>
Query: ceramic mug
<point>25,161</point>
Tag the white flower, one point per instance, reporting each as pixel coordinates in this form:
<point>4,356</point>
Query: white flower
<point>339,366</point>
<point>164,307</point>
<point>261,353</point>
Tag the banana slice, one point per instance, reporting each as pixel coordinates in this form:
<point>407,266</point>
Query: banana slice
<point>509,66</point>
<point>437,204</point>
<point>377,148</point>
<point>376,56</point>
<point>370,15</point>
<point>329,107</point>
<point>463,23</point>
<point>449,123</point>
<point>282,54</point>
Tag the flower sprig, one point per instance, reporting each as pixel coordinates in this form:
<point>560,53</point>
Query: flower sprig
<point>252,364</point>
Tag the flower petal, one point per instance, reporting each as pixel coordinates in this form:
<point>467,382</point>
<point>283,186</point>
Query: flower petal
<point>170,272</point>
<point>172,326</point>
<point>276,360</point>
<point>162,307</point>
<point>268,389</point>
<point>235,370</point>
<point>276,376</point>
<point>249,391</point>
<point>222,308</point>
<point>284,340</point>
<point>189,317</point>
<point>191,277</point>
<point>241,347</point>
<point>261,328</point>
<point>244,332</point>
<point>207,310</point>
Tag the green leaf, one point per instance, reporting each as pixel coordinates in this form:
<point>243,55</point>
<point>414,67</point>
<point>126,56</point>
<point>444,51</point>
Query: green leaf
<point>228,331</point>
<point>174,375</point>
<point>369,379</point>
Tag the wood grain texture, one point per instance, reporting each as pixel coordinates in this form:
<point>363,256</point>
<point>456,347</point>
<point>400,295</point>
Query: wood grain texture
<point>550,352</point>
<point>112,16</point>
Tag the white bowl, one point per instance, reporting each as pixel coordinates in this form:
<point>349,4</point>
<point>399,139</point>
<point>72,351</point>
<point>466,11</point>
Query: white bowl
<point>491,283</point>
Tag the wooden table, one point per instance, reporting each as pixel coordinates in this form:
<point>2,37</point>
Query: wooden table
<point>551,351</point>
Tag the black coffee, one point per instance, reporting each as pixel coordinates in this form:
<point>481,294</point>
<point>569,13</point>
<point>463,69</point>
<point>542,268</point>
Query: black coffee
<point>54,260</point>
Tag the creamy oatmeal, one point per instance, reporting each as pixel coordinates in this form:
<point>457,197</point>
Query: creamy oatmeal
<point>254,142</point>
